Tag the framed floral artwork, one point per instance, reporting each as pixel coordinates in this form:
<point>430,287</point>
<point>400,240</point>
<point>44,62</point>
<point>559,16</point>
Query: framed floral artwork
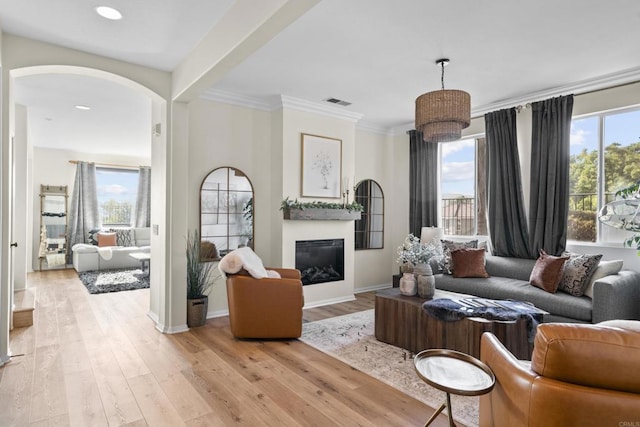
<point>321,166</point>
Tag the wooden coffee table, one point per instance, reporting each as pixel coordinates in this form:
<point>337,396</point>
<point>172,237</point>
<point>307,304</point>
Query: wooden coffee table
<point>401,321</point>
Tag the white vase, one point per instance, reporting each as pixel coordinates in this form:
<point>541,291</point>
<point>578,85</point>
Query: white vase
<point>425,281</point>
<point>408,285</point>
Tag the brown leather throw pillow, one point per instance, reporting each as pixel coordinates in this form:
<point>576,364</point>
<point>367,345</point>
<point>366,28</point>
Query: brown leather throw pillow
<point>547,272</point>
<point>469,262</point>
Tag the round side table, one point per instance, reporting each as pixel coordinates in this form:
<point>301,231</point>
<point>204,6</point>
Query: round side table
<point>453,372</point>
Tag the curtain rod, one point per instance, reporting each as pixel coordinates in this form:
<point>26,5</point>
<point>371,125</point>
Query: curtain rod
<point>110,165</point>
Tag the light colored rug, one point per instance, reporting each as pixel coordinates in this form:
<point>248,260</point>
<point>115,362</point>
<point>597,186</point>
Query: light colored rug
<point>351,339</point>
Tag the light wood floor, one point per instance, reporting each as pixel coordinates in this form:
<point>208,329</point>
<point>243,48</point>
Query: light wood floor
<point>97,360</point>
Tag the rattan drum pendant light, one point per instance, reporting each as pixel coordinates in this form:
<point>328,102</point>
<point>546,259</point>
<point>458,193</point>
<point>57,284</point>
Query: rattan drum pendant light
<point>441,115</point>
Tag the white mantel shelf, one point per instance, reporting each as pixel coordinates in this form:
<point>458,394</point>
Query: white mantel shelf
<point>320,214</point>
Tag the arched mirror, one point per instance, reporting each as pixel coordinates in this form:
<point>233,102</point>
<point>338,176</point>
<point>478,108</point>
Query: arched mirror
<point>226,212</point>
<point>369,228</point>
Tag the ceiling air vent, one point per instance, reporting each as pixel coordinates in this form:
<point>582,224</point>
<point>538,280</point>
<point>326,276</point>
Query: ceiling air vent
<point>338,101</point>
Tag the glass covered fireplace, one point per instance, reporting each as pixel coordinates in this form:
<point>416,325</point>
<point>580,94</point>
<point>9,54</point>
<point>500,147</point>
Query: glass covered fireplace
<point>320,261</point>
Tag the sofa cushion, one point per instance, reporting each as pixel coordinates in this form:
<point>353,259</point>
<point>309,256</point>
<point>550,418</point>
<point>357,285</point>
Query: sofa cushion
<point>142,236</point>
<point>577,272</point>
<point>468,262</point>
<point>515,268</point>
<point>495,287</point>
<point>547,273</point>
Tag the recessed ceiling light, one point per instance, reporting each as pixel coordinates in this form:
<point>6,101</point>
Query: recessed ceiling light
<point>108,12</point>
<point>83,107</point>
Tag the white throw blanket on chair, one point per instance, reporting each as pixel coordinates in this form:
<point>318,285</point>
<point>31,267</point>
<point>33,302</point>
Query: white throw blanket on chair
<point>245,258</point>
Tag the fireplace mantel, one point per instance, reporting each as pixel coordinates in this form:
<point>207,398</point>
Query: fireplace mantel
<point>320,214</point>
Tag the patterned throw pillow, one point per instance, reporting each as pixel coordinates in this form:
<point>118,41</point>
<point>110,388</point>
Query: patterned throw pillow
<point>547,272</point>
<point>124,236</point>
<point>577,272</point>
<point>92,236</point>
<point>449,246</point>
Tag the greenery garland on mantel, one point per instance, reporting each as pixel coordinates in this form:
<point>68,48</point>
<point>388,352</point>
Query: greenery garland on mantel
<point>295,204</point>
<point>293,209</point>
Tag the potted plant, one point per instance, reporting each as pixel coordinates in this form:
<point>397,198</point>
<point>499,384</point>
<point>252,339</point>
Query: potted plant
<point>200,278</point>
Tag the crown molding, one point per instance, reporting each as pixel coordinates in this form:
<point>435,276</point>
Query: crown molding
<point>298,104</point>
<point>606,81</point>
<point>237,99</point>
<point>276,103</point>
<point>373,128</point>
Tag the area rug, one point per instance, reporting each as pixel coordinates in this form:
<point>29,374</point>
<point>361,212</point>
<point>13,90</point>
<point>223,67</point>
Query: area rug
<point>123,279</point>
<point>351,339</point>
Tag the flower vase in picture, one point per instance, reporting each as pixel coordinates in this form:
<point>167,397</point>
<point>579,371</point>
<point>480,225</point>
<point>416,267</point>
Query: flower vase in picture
<point>408,284</point>
<point>425,281</point>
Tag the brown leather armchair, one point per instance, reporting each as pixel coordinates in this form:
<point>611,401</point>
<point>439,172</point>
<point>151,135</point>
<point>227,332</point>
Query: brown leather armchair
<point>579,375</point>
<point>265,308</point>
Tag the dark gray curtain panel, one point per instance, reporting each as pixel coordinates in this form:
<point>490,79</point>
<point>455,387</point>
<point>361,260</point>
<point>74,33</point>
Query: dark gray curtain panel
<point>143,199</point>
<point>549,201</point>
<point>507,221</point>
<point>423,183</point>
<point>84,214</point>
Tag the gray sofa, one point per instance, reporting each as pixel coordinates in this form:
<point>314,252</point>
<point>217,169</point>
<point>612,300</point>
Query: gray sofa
<point>614,297</point>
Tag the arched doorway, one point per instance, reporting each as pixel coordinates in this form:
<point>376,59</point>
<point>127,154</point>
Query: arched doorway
<point>156,124</point>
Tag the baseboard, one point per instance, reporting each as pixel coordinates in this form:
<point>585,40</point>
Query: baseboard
<point>173,329</point>
<point>4,359</point>
<point>373,288</point>
<point>217,313</point>
<point>329,302</point>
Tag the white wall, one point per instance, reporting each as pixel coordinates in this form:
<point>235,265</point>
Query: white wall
<point>294,124</point>
<point>21,201</point>
<point>225,135</point>
<point>52,167</point>
<point>267,147</point>
<point>374,160</point>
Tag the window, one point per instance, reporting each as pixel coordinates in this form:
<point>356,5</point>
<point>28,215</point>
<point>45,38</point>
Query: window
<point>117,191</point>
<point>458,184</point>
<point>605,158</point>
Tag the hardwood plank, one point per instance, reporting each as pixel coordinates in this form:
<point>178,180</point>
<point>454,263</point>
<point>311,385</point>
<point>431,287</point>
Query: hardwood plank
<point>84,402</point>
<point>118,401</point>
<point>153,402</point>
<point>49,396</point>
<point>58,421</point>
<point>15,392</point>
<point>184,398</point>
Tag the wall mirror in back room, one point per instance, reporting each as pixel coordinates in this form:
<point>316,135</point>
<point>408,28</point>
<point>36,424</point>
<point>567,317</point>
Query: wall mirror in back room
<point>226,210</point>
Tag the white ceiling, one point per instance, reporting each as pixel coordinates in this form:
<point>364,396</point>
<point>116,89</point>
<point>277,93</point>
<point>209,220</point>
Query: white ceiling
<point>377,54</point>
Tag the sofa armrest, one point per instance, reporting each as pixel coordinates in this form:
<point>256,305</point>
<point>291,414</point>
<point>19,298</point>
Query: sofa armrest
<point>508,403</point>
<point>616,297</point>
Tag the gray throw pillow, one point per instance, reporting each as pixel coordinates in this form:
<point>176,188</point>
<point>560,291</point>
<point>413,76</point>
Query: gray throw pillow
<point>577,272</point>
